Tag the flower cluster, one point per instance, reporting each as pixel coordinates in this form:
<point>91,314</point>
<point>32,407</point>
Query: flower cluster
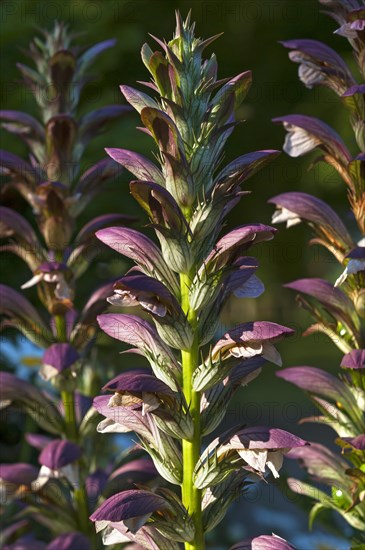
<point>181,287</point>
<point>338,308</point>
<point>61,493</point>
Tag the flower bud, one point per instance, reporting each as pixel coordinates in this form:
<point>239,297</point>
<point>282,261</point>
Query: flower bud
<point>57,232</point>
<point>50,202</point>
<point>61,132</point>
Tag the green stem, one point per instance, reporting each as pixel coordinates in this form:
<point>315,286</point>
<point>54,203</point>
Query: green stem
<point>67,396</point>
<point>68,400</point>
<point>60,323</point>
<point>82,505</point>
<point>191,496</point>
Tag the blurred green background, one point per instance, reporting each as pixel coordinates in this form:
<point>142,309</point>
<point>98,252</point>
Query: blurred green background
<point>252,31</point>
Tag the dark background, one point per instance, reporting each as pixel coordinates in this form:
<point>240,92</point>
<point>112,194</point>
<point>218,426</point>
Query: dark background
<point>252,30</point>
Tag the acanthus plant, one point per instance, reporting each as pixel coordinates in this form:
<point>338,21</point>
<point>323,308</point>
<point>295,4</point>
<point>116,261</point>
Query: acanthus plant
<point>337,307</point>
<point>182,285</point>
<point>58,496</point>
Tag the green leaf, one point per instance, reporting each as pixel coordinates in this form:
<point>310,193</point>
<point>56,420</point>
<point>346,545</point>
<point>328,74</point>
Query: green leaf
<point>302,488</point>
<point>138,99</point>
<point>325,500</point>
<point>317,509</point>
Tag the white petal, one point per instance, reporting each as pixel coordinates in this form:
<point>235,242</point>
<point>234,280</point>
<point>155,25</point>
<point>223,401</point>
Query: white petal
<point>154,306</point>
<point>44,475</point>
<point>310,75</point>
<point>51,277</point>
<point>113,536</point>
<point>284,215</point>
<point>254,458</point>
<point>275,462</point>
<point>246,351</point>
<point>47,372</point>
<point>100,525</point>
<point>109,426</point>
<point>292,222</point>
<point>342,278</point>
<point>123,298</point>
<point>33,281</point>
<point>115,300</point>
<point>298,141</point>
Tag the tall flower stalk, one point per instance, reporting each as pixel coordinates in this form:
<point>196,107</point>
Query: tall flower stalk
<point>337,307</point>
<point>182,285</point>
<point>60,494</point>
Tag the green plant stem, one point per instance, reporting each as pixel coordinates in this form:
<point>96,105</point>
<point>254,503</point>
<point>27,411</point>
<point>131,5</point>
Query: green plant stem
<point>191,496</point>
<point>61,328</point>
<point>82,505</point>
<point>68,400</point>
<point>67,396</point>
